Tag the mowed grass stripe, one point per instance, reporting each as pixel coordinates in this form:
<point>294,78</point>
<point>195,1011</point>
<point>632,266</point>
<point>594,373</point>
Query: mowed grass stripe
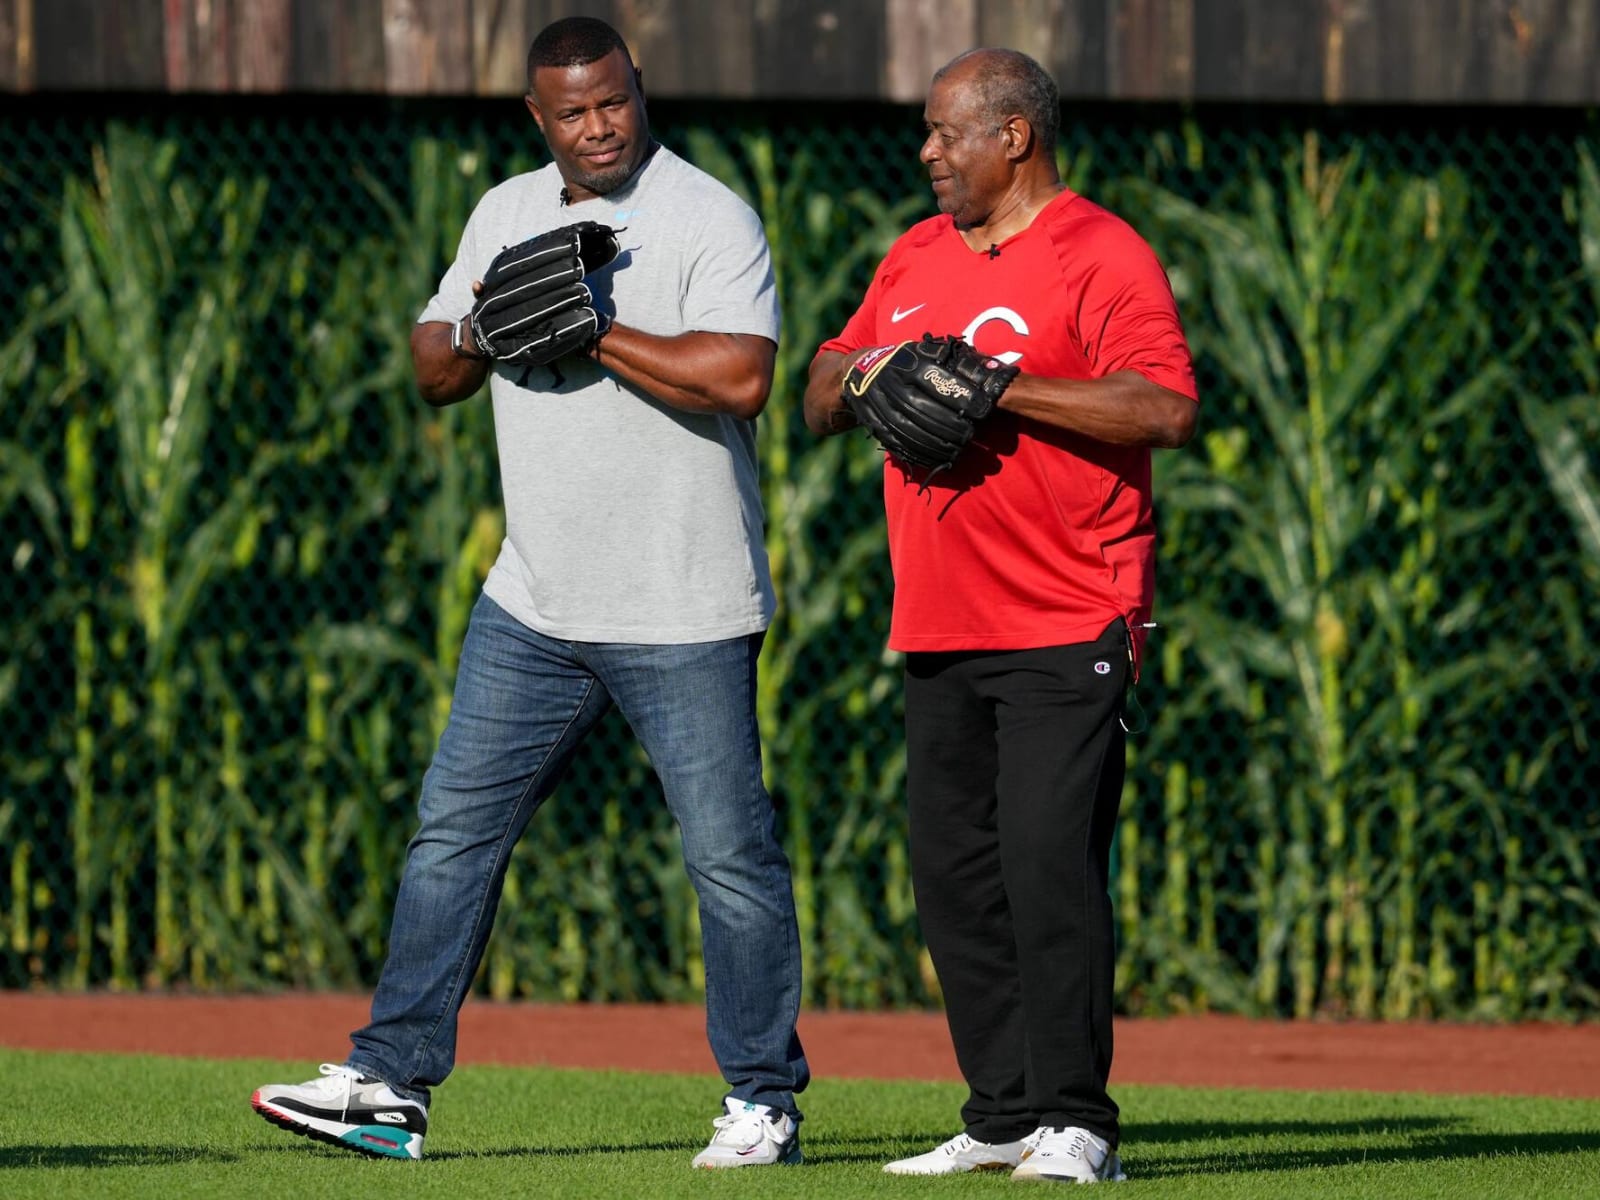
<point>134,1126</point>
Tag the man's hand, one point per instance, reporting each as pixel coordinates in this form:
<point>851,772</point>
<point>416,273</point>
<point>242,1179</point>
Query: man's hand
<point>533,307</point>
<point>924,400</point>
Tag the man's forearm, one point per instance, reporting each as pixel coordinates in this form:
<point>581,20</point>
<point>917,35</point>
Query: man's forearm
<point>443,376</point>
<point>695,372</point>
<point>1122,409</point>
<point>826,411</point>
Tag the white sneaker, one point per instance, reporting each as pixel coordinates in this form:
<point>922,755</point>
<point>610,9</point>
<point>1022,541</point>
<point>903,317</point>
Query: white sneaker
<point>752,1135</point>
<point>346,1109</point>
<point>1069,1155</point>
<point>961,1153</point>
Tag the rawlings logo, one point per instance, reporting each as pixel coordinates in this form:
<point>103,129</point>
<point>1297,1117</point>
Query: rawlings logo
<point>944,384</point>
<point>864,363</point>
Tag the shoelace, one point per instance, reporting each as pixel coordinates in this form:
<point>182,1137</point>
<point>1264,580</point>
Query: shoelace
<point>335,1074</point>
<point>959,1144</point>
<point>1080,1141</point>
<point>728,1128</point>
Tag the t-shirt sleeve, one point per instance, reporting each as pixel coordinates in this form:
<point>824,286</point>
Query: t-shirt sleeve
<point>1128,317</point>
<point>730,287</point>
<point>454,298</point>
<point>861,330</point>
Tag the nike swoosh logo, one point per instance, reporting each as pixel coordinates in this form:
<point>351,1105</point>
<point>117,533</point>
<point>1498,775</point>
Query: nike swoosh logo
<point>900,315</point>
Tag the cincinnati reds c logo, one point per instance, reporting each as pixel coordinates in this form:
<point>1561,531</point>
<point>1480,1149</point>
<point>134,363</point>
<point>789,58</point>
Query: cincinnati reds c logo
<point>998,313</point>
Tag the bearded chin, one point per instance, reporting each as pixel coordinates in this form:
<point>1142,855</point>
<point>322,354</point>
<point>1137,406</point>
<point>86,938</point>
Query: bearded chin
<point>603,183</point>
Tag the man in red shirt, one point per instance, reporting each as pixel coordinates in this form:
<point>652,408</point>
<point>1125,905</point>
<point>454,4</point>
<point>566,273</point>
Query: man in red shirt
<point>1024,577</point>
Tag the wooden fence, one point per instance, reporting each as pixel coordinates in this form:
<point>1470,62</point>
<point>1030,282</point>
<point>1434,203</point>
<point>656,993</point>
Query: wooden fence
<point>1316,51</point>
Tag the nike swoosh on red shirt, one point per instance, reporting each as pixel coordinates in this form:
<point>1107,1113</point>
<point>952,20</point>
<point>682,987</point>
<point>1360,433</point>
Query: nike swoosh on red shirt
<point>898,316</point>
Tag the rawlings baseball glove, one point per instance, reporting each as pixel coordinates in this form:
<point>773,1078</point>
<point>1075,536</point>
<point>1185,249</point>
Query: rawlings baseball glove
<point>923,400</point>
<point>534,307</point>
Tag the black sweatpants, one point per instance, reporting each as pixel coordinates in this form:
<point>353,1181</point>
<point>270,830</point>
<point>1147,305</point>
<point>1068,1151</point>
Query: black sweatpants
<point>1015,767</point>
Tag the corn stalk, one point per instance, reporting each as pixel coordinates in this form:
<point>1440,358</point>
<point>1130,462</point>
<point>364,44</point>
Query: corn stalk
<point>1333,302</point>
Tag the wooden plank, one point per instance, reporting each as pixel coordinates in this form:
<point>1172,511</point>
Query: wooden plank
<point>1258,50</point>
<point>81,44</point>
<point>922,36</point>
<point>693,48</point>
<point>1346,23</point>
<point>821,49</point>
<point>1434,52</point>
<point>1150,50</point>
<point>71,45</point>
<point>337,45</point>
<point>132,41</point>
<point>262,33</point>
<point>1069,38</point>
<point>1285,51</point>
<point>500,38</point>
<point>427,47</point>
<point>1472,52</point>
<point>1357,41</point>
<point>197,45</point>
<point>16,45</point>
<point>1544,51</point>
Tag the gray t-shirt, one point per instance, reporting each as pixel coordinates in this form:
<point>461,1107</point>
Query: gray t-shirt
<point>628,520</point>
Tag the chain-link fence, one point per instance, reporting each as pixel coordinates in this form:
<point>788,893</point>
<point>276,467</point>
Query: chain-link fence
<point>238,555</point>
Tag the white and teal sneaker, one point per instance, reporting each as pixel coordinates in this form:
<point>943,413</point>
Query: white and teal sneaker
<point>344,1108</point>
<point>752,1135</point>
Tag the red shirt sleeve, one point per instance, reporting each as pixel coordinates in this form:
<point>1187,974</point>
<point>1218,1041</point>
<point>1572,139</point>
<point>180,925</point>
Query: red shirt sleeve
<point>1127,315</point>
<point>861,330</point>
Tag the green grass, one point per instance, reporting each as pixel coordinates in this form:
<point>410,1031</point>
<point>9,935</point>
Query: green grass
<point>117,1126</point>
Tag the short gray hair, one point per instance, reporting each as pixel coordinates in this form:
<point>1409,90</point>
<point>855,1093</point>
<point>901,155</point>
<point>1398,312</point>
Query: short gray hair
<point>1008,82</point>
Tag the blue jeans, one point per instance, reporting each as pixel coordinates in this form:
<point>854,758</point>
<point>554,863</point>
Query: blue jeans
<point>523,702</point>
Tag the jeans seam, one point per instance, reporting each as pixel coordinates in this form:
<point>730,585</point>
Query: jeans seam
<point>777,884</point>
<point>777,1079</point>
<point>501,854</point>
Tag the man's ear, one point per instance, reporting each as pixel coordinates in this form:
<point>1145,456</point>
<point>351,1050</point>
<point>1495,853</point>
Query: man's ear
<point>1018,132</point>
<point>638,82</point>
<point>533,111</point>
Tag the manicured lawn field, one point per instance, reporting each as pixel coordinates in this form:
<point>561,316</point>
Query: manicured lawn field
<point>124,1126</point>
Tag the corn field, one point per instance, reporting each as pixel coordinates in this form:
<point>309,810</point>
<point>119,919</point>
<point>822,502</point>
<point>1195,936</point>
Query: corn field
<point>239,554</point>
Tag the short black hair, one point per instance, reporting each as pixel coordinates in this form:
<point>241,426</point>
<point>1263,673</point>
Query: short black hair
<point>574,42</point>
<point>1008,82</point>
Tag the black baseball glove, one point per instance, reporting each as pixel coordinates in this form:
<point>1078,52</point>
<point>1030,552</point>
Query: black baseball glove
<point>924,400</point>
<point>534,306</point>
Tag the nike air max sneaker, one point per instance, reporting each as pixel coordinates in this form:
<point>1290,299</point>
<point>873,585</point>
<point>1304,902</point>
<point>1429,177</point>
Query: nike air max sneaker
<point>1068,1155</point>
<point>960,1154</point>
<point>346,1109</point>
<point>752,1135</point>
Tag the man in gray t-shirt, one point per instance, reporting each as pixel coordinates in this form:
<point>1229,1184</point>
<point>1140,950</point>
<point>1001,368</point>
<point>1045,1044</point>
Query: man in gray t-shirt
<point>632,573</point>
